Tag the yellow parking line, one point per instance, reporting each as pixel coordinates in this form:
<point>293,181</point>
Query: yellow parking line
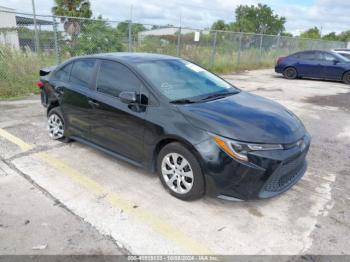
<point>19,142</point>
<point>165,229</point>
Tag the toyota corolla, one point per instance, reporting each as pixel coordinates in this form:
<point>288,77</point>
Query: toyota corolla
<point>201,134</point>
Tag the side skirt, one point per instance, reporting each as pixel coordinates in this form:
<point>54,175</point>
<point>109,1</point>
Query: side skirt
<point>107,151</point>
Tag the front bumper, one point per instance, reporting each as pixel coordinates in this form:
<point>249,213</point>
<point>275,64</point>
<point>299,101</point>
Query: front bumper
<point>267,174</point>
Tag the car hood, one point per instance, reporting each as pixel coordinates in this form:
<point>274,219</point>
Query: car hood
<point>246,117</point>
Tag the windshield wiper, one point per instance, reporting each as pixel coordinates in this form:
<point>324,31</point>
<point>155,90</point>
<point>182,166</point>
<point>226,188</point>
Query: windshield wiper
<point>182,101</point>
<point>218,95</point>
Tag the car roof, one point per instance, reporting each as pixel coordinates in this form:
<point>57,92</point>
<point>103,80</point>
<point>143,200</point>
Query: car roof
<point>342,49</point>
<point>131,57</point>
<point>342,52</point>
<point>316,50</point>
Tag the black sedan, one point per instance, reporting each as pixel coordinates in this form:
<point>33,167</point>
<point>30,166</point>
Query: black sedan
<point>199,132</point>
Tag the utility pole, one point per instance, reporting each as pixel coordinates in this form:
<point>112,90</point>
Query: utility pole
<point>130,32</point>
<point>35,29</point>
<point>178,49</point>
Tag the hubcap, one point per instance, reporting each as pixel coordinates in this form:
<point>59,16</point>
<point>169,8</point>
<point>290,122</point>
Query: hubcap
<point>177,173</point>
<point>290,73</point>
<point>56,127</point>
<point>348,78</point>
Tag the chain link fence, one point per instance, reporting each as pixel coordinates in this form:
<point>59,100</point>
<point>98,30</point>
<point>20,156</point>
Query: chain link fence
<point>28,43</point>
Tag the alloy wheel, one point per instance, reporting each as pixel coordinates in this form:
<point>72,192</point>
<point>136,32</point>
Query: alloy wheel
<point>56,126</point>
<point>347,78</point>
<point>177,173</point>
<point>290,73</point>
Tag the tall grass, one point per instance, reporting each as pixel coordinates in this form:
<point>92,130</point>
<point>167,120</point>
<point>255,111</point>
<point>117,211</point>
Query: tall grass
<point>19,71</point>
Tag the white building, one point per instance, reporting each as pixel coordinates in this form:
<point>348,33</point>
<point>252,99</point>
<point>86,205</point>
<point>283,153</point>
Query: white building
<point>8,21</point>
<point>165,31</point>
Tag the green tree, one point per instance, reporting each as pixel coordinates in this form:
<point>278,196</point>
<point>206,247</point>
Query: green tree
<point>286,34</point>
<point>96,37</point>
<point>258,19</point>
<point>331,37</point>
<point>344,36</point>
<point>75,8</point>
<point>220,25</point>
<point>313,33</point>
<point>72,8</point>
<point>123,28</point>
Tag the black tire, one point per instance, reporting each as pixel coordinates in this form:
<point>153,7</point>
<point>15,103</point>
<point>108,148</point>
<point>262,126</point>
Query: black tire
<point>346,78</point>
<point>290,73</point>
<point>57,112</point>
<point>198,187</point>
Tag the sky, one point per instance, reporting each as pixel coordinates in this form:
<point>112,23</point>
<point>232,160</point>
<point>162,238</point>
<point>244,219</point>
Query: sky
<point>329,15</point>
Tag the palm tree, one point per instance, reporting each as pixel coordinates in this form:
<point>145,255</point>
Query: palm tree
<point>72,8</point>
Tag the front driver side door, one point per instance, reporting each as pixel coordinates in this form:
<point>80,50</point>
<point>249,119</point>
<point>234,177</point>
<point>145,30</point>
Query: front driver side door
<point>332,67</point>
<point>118,126</point>
<point>309,64</point>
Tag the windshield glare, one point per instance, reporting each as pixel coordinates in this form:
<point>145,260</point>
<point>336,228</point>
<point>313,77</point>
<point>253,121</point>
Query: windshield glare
<point>180,79</point>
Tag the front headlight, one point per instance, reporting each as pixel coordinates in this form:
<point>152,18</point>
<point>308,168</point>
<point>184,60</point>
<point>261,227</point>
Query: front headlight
<point>239,150</point>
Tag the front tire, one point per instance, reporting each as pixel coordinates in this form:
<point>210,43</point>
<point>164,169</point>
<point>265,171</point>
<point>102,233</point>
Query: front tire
<point>290,73</point>
<point>180,172</point>
<point>56,125</point>
<point>346,78</point>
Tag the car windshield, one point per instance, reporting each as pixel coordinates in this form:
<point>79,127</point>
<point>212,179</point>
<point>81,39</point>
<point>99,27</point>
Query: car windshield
<point>346,56</point>
<point>180,80</point>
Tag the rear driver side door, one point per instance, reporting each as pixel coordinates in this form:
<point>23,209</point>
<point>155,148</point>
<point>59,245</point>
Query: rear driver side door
<point>75,97</point>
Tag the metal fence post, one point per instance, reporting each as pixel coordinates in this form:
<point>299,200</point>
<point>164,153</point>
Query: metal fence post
<point>129,36</point>
<point>57,48</point>
<point>260,47</point>
<point>213,50</point>
<point>178,46</point>
<point>239,48</point>
<point>36,34</point>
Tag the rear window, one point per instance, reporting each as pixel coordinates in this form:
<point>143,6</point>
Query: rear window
<point>82,72</point>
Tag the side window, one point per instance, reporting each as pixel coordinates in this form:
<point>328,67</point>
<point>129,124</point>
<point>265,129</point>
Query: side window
<point>328,57</point>
<point>114,78</point>
<point>307,56</point>
<point>319,56</point>
<point>63,73</point>
<point>82,72</point>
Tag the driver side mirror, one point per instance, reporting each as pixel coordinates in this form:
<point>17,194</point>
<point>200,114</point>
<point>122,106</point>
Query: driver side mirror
<point>128,97</point>
<point>335,62</point>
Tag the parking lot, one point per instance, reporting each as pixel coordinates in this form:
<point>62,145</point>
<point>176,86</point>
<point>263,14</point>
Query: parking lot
<point>112,207</point>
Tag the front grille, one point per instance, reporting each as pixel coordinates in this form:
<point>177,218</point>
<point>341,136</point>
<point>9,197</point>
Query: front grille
<point>286,175</point>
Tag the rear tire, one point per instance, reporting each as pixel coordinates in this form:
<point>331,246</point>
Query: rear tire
<point>56,125</point>
<point>290,73</point>
<point>346,78</point>
<point>180,172</point>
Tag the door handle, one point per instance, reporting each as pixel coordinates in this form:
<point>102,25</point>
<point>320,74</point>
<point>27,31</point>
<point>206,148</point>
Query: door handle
<point>93,103</point>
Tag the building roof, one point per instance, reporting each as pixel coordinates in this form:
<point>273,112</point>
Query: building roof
<point>27,21</point>
<point>4,8</point>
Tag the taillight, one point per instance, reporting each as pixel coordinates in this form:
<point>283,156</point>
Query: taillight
<point>279,60</point>
<point>40,84</point>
